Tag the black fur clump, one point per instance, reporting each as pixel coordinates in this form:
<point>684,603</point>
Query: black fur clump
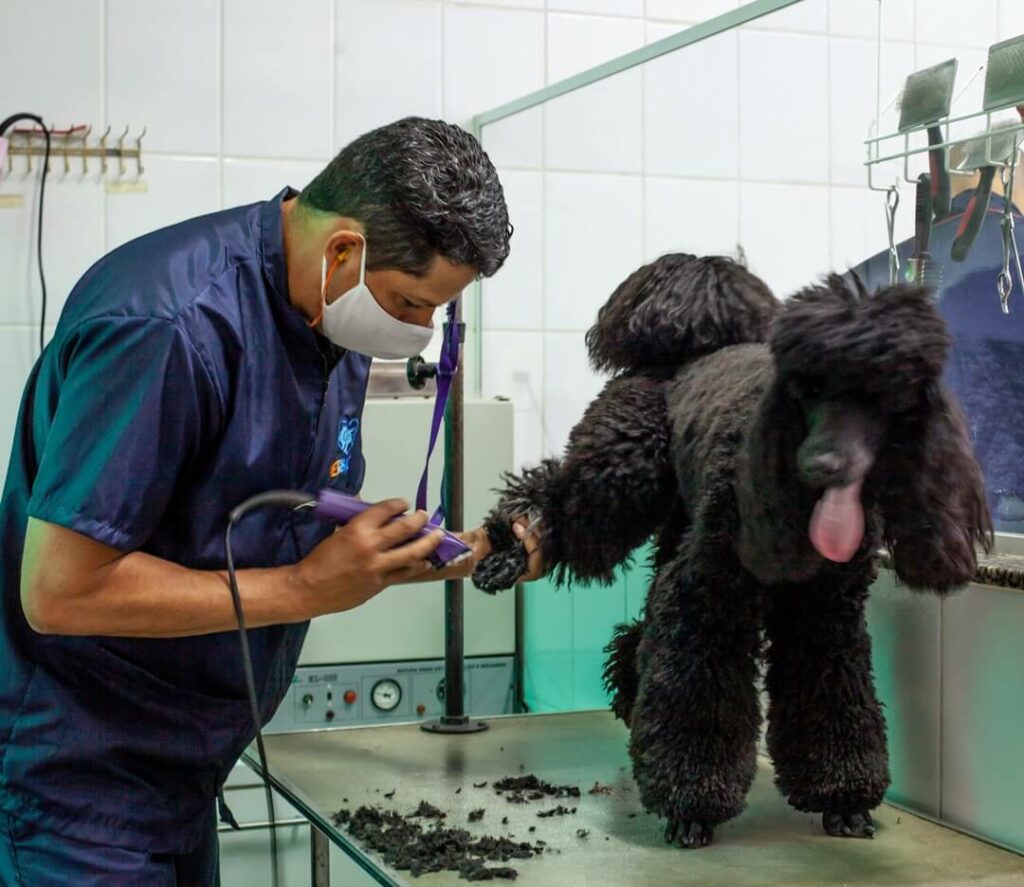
<point>678,307</point>
<point>723,462</point>
<point>521,789</point>
<point>406,845</point>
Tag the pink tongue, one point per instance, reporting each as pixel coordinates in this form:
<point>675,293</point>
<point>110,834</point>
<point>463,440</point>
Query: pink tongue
<point>837,525</point>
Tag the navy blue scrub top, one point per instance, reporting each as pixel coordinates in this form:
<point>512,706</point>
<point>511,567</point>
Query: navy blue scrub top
<point>984,369</point>
<point>180,381</point>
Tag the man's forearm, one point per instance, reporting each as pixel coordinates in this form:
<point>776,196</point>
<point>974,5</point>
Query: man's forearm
<point>144,596</point>
<point>86,589</point>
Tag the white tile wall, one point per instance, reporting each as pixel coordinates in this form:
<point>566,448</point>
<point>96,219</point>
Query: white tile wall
<point>597,129</point>
<point>606,7</point>
<point>857,224</point>
<point>688,10</point>
<point>691,113</point>
<point>246,181</point>
<point>1011,19</point>
<point>784,230</point>
<point>371,36</point>
<point>690,216</point>
<point>935,24</point>
<point>569,386</point>
<point>783,107</point>
<point>178,188</point>
<point>515,369</point>
<point>593,240</point>
<point>66,88</point>
<point>277,78</point>
<point>514,298</point>
<point>859,18</point>
<point>507,44</point>
<point>518,4</point>
<point>807,16</point>
<point>852,100</point>
<point>578,42</point>
<point>517,141</point>
<point>72,240</point>
<point>19,349</point>
<point>167,84</point>
<point>18,254</point>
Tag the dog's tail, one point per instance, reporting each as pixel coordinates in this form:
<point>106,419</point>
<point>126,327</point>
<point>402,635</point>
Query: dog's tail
<point>677,308</point>
<point>620,671</point>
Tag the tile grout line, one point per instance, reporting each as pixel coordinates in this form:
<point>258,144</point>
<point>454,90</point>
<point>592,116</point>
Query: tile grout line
<point>220,99</point>
<point>332,77</point>
<point>739,148</point>
<point>828,124</point>
<point>104,24</point>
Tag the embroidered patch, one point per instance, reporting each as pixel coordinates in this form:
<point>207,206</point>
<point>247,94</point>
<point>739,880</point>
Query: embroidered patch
<point>348,433</point>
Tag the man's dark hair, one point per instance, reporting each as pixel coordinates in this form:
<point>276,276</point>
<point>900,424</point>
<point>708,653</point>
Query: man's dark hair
<point>420,188</point>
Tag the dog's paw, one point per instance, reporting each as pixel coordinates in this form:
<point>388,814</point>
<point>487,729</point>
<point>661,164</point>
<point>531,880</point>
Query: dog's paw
<point>500,570</point>
<point>848,825</point>
<point>689,833</point>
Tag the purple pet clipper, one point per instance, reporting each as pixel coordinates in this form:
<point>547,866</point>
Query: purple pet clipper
<point>341,508</point>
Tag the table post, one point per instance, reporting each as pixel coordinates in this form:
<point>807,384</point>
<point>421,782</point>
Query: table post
<point>320,857</point>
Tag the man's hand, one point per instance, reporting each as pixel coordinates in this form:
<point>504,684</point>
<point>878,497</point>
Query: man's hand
<point>481,545</point>
<point>365,556</point>
<point>531,541</point>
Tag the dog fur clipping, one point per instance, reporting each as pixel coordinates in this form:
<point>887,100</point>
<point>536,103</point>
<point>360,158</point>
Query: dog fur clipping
<point>770,449</point>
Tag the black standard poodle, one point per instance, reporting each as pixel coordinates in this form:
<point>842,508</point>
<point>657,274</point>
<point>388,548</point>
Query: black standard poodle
<point>771,450</point>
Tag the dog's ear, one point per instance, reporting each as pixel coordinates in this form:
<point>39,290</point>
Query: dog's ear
<point>933,496</point>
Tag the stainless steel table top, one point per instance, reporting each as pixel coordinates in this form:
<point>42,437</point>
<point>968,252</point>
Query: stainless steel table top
<point>769,845</point>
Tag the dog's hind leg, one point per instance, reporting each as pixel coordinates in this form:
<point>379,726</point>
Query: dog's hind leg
<point>695,722</point>
<point>826,731</point>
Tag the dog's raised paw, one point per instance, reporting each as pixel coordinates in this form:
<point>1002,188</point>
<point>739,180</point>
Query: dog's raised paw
<point>858,824</point>
<point>501,570</point>
<point>689,833</point>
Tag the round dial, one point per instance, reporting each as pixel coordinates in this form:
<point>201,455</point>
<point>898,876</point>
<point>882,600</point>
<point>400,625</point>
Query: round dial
<point>386,694</point>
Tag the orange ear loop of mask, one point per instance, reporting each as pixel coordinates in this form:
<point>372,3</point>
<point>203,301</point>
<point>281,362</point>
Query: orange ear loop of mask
<point>327,282</point>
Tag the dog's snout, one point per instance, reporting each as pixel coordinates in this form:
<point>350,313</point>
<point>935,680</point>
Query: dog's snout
<point>823,468</point>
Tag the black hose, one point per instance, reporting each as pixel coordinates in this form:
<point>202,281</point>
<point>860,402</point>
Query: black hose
<point>292,499</point>
<point>7,123</point>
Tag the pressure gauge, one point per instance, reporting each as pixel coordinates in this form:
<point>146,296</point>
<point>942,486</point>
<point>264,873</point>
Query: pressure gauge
<point>386,694</point>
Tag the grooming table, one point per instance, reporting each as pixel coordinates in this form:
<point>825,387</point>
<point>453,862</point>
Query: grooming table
<point>769,845</point>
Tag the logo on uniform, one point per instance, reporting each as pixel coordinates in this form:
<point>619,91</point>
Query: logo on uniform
<point>348,433</point>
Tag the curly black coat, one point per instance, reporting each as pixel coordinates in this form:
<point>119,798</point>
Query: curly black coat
<point>728,418</point>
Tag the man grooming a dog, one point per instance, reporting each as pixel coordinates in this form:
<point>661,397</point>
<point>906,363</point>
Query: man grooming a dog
<point>192,369</point>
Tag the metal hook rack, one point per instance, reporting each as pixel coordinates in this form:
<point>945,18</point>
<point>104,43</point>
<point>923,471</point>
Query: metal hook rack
<point>72,143</point>
<point>1004,91</point>
<point>875,156</point>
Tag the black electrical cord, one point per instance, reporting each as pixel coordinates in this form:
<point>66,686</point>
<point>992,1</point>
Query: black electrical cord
<point>278,498</point>
<point>4,126</point>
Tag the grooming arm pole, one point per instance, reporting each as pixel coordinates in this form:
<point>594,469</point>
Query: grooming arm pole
<point>455,719</point>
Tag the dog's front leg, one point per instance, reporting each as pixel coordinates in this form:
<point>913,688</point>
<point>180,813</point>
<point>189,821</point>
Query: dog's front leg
<point>826,732</point>
<point>695,722</point>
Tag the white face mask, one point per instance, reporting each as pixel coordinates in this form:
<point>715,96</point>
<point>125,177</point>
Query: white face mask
<point>355,321</point>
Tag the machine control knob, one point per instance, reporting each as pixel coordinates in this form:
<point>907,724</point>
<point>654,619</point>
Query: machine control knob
<point>330,714</point>
<point>350,697</point>
<point>421,709</point>
<point>307,700</point>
